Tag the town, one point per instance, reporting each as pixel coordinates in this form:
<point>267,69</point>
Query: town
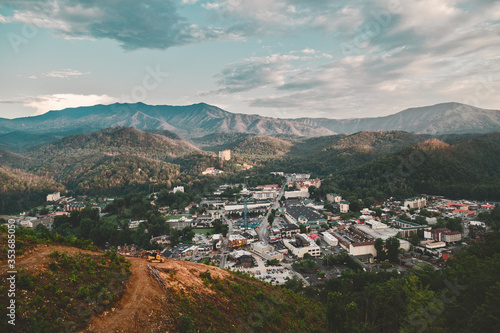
<point>278,233</point>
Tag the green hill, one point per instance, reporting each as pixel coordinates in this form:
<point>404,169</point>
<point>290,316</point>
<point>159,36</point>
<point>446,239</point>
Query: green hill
<point>468,168</point>
<point>330,154</point>
<point>20,190</point>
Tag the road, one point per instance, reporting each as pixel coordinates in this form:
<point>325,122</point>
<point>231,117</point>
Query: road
<point>263,227</point>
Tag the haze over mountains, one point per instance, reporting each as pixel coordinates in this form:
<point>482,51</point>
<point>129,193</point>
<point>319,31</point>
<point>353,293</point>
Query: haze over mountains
<point>197,120</point>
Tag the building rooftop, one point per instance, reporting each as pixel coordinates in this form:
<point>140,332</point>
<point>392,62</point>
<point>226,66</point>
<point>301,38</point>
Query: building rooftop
<point>308,213</point>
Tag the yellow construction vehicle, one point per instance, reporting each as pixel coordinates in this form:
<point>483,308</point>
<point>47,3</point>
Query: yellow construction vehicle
<point>154,256</point>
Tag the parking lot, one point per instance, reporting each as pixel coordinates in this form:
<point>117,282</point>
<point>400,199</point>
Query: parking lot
<point>272,274</point>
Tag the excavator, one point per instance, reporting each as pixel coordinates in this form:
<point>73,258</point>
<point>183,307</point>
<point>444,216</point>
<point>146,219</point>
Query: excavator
<point>154,256</point>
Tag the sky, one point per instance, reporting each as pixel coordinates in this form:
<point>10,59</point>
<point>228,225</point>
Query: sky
<point>277,58</point>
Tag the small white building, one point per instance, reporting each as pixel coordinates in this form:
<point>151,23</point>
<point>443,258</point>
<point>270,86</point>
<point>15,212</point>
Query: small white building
<point>178,189</point>
<point>478,223</point>
<point>329,239</point>
<point>54,196</point>
<point>225,155</point>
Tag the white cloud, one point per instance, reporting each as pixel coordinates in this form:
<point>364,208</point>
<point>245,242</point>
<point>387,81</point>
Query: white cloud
<point>65,73</point>
<point>45,103</point>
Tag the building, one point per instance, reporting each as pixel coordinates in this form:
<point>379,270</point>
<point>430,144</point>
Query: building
<point>244,261</point>
<point>443,235</point>
<point>74,205</point>
<point>303,215</point>
<point>477,223</point>
<point>302,245</point>
<point>241,206</point>
<point>225,155</point>
<point>408,228</point>
<point>355,241</point>
<point>333,197</point>
<point>54,196</point>
<point>178,189</point>
<point>298,176</point>
<point>415,202</point>
<point>456,206</point>
<point>269,187</point>
<point>305,184</point>
<point>344,206</point>
<point>296,194</point>
<point>212,171</point>
<point>264,195</point>
<point>330,239</point>
<point>267,251</point>
<point>134,224</point>
<point>287,229</point>
<point>237,241</point>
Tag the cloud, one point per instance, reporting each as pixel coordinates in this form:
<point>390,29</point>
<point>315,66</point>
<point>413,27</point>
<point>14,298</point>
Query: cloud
<point>134,24</point>
<point>386,56</point>
<point>45,103</point>
<point>65,73</point>
<point>261,72</point>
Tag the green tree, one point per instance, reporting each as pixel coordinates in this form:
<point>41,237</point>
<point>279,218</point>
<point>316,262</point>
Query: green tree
<point>379,246</point>
<point>392,246</point>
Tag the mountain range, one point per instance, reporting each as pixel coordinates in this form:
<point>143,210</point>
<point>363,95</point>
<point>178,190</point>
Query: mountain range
<point>198,120</point>
<point>445,118</point>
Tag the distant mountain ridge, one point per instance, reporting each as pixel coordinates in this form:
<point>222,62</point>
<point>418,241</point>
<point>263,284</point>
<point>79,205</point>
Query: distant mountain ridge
<point>198,120</point>
<point>189,121</point>
<point>445,118</point>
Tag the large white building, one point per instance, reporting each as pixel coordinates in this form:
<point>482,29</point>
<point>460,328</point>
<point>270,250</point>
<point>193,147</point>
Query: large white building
<point>302,245</point>
<point>415,202</point>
